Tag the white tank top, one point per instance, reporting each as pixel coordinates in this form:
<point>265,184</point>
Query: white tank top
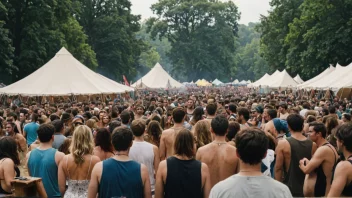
<point>143,153</point>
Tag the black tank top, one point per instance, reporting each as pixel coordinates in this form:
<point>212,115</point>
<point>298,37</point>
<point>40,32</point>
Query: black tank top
<point>294,178</point>
<point>347,191</point>
<point>183,178</point>
<point>320,185</point>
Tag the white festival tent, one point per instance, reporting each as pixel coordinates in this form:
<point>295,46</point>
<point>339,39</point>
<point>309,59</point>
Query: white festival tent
<point>258,82</point>
<point>243,82</point>
<point>298,79</point>
<point>217,82</point>
<point>339,78</point>
<point>267,81</point>
<point>280,80</point>
<point>236,81</point>
<point>157,78</point>
<point>64,75</point>
<point>249,82</point>
<point>316,78</point>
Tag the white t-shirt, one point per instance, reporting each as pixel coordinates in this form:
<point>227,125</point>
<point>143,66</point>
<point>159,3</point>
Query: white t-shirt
<point>250,186</point>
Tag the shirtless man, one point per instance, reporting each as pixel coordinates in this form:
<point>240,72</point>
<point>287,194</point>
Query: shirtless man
<point>287,162</point>
<point>20,140</point>
<point>168,136</point>
<point>220,157</point>
<point>320,167</point>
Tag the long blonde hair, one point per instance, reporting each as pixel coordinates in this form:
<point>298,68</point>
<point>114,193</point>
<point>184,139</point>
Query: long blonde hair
<point>82,143</point>
<point>202,133</point>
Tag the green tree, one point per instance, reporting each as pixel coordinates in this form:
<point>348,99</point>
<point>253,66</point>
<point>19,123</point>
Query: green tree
<point>149,58</point>
<point>6,50</point>
<point>320,36</point>
<point>39,28</point>
<point>202,36</point>
<point>274,29</point>
<point>111,30</point>
<point>249,65</point>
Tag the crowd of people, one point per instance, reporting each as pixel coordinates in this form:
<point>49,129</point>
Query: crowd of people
<point>187,145</point>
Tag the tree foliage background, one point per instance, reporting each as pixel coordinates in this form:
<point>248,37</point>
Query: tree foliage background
<point>306,36</point>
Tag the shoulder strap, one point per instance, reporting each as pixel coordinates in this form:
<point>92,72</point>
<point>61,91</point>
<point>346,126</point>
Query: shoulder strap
<point>333,150</point>
<point>90,163</point>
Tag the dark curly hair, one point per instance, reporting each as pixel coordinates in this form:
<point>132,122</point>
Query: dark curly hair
<point>8,149</point>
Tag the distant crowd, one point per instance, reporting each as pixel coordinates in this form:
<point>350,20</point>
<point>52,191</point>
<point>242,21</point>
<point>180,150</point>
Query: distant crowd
<point>195,144</point>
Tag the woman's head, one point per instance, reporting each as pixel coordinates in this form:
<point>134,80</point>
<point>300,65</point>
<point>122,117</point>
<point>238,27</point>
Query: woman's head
<point>103,139</point>
<point>154,129</point>
<point>8,149</point>
<point>202,133</point>
<point>331,123</point>
<point>65,146</point>
<point>82,143</point>
<point>106,119</point>
<point>184,144</point>
<point>91,123</point>
<point>234,127</point>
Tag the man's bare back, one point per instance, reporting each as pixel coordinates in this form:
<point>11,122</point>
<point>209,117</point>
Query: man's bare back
<point>221,159</point>
<point>167,142</point>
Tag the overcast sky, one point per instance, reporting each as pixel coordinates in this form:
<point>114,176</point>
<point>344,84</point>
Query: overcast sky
<point>250,9</point>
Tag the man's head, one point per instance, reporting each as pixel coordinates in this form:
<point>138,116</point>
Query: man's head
<point>295,123</point>
<point>332,110</point>
<point>125,117</point>
<point>122,138</point>
<point>138,127</point>
<point>344,137</point>
<point>59,126</point>
<point>282,107</point>
<point>46,133</point>
<point>271,114</point>
<point>178,115</point>
<point>242,115</point>
<point>219,125</point>
<point>346,117</point>
<point>232,108</point>
<point>211,109</point>
<point>252,145</point>
<point>317,131</point>
<point>10,127</point>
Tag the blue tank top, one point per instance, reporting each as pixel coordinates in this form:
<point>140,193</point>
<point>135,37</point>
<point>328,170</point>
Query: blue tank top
<point>121,179</point>
<point>41,163</point>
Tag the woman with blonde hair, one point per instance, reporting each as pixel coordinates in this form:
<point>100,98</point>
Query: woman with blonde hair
<point>76,168</point>
<point>202,133</point>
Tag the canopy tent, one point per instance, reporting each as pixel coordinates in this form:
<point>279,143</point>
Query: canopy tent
<point>64,75</point>
<point>203,83</point>
<point>249,82</point>
<point>281,80</point>
<point>217,82</point>
<point>334,80</point>
<point>316,78</point>
<point>2,85</point>
<point>298,79</point>
<point>157,78</point>
<point>243,82</point>
<point>258,82</point>
<point>236,81</point>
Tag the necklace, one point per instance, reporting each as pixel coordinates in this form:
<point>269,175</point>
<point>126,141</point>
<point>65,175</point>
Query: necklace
<point>220,143</point>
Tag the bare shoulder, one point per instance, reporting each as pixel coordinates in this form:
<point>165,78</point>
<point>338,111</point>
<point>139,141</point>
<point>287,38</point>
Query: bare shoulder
<point>7,162</point>
<point>144,168</point>
<point>162,165</point>
<point>167,132</point>
<point>230,148</point>
<point>155,148</point>
<point>95,159</point>
<point>204,168</point>
<point>59,154</point>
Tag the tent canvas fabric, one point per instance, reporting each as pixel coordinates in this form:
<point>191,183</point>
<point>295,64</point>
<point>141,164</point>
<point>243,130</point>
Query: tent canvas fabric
<point>281,80</point>
<point>203,83</point>
<point>236,81</point>
<point>258,82</point>
<point>64,75</point>
<point>316,78</point>
<point>157,78</point>
<point>217,82</point>
<point>329,80</point>
<point>298,79</point>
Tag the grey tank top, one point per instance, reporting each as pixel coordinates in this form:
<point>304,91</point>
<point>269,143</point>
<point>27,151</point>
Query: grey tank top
<point>143,153</point>
<point>294,177</point>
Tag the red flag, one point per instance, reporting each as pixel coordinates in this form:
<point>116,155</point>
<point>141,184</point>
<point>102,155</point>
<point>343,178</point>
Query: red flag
<point>125,79</point>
